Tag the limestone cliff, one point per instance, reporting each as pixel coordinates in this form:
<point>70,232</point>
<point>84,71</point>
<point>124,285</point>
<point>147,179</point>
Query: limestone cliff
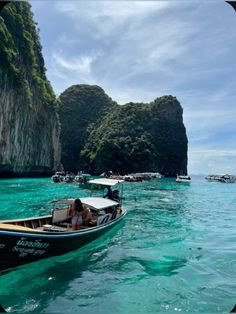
<point>100,135</point>
<point>29,124</point>
<point>81,107</point>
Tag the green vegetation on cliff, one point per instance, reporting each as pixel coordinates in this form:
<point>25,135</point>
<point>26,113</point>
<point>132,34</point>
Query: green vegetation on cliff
<point>128,138</point>
<point>81,107</point>
<point>20,53</point>
<point>29,122</point>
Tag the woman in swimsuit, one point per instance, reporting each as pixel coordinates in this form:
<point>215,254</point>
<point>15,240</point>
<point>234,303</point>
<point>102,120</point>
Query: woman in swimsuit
<point>80,215</point>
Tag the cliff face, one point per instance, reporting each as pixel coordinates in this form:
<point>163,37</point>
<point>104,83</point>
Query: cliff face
<point>81,107</point>
<point>29,124</point>
<point>124,139</point>
<point>168,134</point>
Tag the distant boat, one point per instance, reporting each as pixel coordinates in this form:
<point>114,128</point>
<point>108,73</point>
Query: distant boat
<point>83,180</point>
<point>58,177</point>
<point>27,240</point>
<point>212,177</point>
<point>183,179</point>
<point>138,177</point>
<point>148,175</point>
<point>80,177</point>
<point>69,178</point>
<point>226,178</point>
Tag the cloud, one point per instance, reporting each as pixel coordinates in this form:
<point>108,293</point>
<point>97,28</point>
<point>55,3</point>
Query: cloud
<point>121,35</point>
<point>101,20</point>
<point>215,152</point>
<point>121,9</point>
<point>212,161</point>
<point>81,64</point>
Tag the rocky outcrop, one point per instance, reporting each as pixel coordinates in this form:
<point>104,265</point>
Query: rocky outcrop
<point>130,138</point>
<point>29,124</point>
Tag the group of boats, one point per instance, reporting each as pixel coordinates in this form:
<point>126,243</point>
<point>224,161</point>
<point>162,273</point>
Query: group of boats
<point>84,178</point>
<point>138,177</point>
<point>27,240</point>
<point>225,178</point>
<point>63,177</point>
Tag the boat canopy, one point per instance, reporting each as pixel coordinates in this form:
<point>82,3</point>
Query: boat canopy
<point>96,203</point>
<point>106,182</point>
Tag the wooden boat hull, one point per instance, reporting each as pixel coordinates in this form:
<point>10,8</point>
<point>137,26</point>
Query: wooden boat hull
<point>22,247</point>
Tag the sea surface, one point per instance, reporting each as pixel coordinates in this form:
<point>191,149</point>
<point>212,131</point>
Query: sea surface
<point>175,251</point>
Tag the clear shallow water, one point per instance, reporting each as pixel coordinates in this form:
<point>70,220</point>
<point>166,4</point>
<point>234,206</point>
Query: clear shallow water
<point>174,252</point>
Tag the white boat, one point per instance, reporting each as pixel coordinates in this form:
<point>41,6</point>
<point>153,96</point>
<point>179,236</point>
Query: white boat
<point>58,177</point>
<point>212,177</point>
<point>83,177</point>
<point>183,179</point>
<point>226,178</point>
<point>69,178</point>
<point>102,183</point>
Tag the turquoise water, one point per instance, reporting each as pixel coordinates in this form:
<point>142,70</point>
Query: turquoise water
<point>175,251</point>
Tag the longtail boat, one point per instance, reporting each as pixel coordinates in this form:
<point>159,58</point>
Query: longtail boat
<point>27,240</point>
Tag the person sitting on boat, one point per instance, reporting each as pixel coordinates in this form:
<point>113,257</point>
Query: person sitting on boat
<point>109,193</point>
<point>80,215</point>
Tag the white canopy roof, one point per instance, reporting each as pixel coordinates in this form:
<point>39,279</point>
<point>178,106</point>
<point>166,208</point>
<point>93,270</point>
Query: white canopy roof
<point>96,203</point>
<point>106,182</point>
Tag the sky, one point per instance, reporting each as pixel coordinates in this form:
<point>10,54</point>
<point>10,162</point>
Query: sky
<point>140,50</point>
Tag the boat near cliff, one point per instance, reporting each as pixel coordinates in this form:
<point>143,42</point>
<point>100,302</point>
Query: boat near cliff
<point>58,177</point>
<point>69,178</point>
<point>183,179</point>
<point>28,240</point>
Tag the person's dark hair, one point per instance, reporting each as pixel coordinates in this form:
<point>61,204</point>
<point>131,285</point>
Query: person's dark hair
<point>78,205</point>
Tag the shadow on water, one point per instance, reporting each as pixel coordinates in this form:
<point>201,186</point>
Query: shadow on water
<point>43,281</point>
<point>167,266</point>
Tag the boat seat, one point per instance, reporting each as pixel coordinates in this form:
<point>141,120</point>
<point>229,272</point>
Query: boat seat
<point>53,228</point>
<point>60,214</point>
